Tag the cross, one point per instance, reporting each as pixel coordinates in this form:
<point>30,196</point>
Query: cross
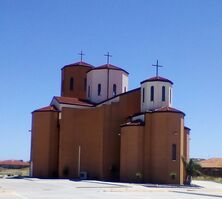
<point>81,55</point>
<point>157,67</point>
<point>108,56</point>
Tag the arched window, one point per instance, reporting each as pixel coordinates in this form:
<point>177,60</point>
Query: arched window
<point>124,89</point>
<point>143,94</point>
<point>170,95</point>
<point>114,89</point>
<point>71,84</point>
<point>163,93</point>
<point>85,84</point>
<point>99,89</point>
<point>63,85</point>
<point>174,152</point>
<point>88,91</point>
<point>152,93</point>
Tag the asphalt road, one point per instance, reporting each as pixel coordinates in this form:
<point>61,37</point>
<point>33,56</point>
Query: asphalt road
<point>31,188</point>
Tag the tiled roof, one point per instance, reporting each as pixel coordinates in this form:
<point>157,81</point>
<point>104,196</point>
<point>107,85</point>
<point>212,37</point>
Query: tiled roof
<point>109,66</point>
<point>121,94</point>
<point>160,79</point>
<point>73,101</point>
<point>47,108</point>
<point>81,63</point>
<point>211,163</point>
<point>14,163</point>
<point>168,109</point>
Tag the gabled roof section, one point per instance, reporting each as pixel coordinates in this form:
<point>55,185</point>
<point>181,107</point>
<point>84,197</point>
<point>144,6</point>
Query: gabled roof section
<point>168,109</point>
<point>158,79</point>
<point>46,109</point>
<point>73,101</point>
<point>109,66</point>
<point>81,63</point>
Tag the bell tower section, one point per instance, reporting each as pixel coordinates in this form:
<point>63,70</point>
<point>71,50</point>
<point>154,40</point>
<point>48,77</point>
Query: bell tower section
<point>74,80</point>
<point>156,92</point>
<point>105,82</point>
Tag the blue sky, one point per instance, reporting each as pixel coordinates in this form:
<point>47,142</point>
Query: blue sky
<point>37,38</point>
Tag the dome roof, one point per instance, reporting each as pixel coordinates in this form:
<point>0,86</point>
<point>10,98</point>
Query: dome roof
<point>168,109</point>
<point>158,79</point>
<point>109,66</point>
<point>81,63</point>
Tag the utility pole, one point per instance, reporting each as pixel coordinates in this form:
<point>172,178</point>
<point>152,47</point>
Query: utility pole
<point>79,160</point>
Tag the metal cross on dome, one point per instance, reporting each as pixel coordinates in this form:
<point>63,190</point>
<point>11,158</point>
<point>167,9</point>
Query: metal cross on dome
<point>157,67</point>
<point>81,55</point>
<point>108,56</point>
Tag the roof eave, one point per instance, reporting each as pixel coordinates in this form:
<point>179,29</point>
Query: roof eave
<point>157,80</point>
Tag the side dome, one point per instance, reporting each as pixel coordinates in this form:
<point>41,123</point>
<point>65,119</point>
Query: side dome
<point>156,92</point>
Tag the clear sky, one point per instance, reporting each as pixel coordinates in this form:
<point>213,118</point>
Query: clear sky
<point>39,37</point>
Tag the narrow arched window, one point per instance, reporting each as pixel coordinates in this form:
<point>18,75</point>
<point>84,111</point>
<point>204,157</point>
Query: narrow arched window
<point>63,85</point>
<point>88,91</point>
<point>152,93</point>
<point>143,94</point>
<point>174,152</point>
<point>71,84</point>
<point>99,89</point>
<point>85,84</point>
<point>114,89</point>
<point>163,93</point>
<point>170,95</point>
<point>124,89</point>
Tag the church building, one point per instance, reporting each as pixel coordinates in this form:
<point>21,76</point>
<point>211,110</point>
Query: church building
<point>98,129</point>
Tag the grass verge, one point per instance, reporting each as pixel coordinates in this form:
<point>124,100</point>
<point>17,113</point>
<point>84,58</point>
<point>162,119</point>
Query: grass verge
<point>14,172</point>
<point>208,178</point>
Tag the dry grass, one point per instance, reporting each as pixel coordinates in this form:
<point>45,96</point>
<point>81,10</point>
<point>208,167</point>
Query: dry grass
<point>14,172</point>
<point>209,178</point>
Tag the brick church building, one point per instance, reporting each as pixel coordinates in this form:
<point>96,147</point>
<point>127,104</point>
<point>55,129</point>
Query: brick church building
<point>98,129</point>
